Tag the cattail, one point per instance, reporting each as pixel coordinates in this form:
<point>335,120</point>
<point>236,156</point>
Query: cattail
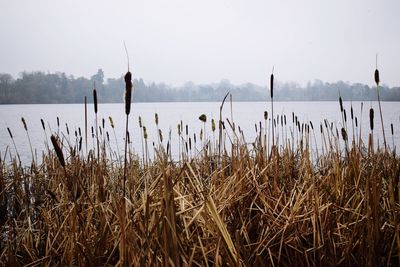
<point>156,118</point>
<point>312,127</point>
<point>103,122</point>
<point>371,118</point>
<point>58,150</point>
<point>128,92</point>
<point>284,119</point>
<point>391,128</point>
<point>128,137</point>
<point>92,131</point>
<point>140,122</point>
<point>66,126</point>
<point>95,100</point>
<point>320,127</point>
<point>293,117</point>
<point>345,116</point>
<point>356,121</point>
<point>24,123</point>
<point>351,112</point>
<point>79,131</point>
<point>341,103</point>
<point>76,133</point>
<point>203,117</point>
<point>179,129</point>
<point>58,122</point>
<point>160,134</point>
<point>43,126</point>
<point>194,138</point>
<point>144,132</point>
<point>344,134</point>
<point>272,85</point>
<point>9,132</point>
<point>265,115</point>
<point>108,137</point>
<point>213,125</point>
<point>187,129</point>
<point>80,144</point>
<point>111,122</point>
<point>376,76</point>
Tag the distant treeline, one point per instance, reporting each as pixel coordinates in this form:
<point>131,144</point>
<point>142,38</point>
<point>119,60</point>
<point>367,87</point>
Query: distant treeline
<point>40,87</point>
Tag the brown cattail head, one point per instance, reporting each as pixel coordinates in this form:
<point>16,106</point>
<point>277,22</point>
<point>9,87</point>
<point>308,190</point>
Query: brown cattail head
<point>265,115</point>
<point>103,121</point>
<point>351,112</point>
<point>179,129</point>
<point>376,76</point>
<point>272,85</point>
<point>111,122</point>
<point>58,150</point>
<point>320,127</point>
<point>128,92</point>
<point>156,118</point>
<point>140,122</point>
<point>95,100</point>
<point>24,123</point>
<point>312,127</point>
<point>58,122</point>
<point>344,134</point>
<point>9,132</point>
<point>341,103</point>
<point>371,118</point>
<point>355,119</point>
<point>213,125</point>
<point>144,132</point>
<point>391,128</point>
<point>160,134</point>
<point>41,120</point>
<point>344,114</point>
<point>203,117</point>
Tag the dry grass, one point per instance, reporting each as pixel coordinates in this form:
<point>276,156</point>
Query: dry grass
<point>246,207</point>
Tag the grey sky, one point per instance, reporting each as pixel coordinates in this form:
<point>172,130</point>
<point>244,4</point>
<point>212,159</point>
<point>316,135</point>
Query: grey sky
<point>175,41</point>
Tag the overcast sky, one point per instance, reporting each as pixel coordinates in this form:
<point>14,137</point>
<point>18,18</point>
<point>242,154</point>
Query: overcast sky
<point>175,41</point>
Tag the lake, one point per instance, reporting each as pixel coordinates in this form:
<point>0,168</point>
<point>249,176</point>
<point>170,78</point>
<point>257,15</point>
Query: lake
<point>245,115</point>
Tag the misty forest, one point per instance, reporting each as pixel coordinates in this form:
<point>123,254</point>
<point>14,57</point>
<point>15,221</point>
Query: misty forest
<point>49,88</point>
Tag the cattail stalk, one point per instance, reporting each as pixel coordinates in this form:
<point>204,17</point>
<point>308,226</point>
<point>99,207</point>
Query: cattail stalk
<point>272,105</point>
<point>128,96</point>
<point>376,76</point>
<point>95,112</point>
<point>86,126</point>
<point>29,139</point>
<point>15,147</point>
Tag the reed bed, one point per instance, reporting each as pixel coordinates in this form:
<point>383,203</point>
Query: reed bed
<point>222,202</point>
